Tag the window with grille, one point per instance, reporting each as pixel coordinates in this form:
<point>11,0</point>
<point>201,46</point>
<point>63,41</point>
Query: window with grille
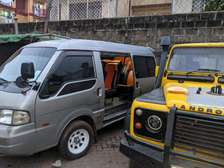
<point>198,5</point>
<point>54,10</point>
<point>85,9</point>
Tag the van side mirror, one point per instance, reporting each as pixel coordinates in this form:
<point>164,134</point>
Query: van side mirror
<point>27,71</point>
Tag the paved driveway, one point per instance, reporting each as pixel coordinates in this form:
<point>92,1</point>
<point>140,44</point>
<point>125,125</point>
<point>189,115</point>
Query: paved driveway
<point>104,154</point>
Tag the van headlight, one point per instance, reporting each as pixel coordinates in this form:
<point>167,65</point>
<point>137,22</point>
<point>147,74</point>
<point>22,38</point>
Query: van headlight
<point>14,117</point>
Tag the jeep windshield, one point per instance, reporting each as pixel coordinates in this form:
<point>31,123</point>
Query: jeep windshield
<point>192,60</point>
<point>11,69</point>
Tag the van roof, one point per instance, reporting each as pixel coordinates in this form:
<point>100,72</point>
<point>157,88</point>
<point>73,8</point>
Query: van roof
<point>94,45</point>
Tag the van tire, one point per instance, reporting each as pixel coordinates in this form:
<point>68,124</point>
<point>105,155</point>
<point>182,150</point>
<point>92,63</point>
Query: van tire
<point>76,140</point>
<point>134,164</point>
<point>139,164</point>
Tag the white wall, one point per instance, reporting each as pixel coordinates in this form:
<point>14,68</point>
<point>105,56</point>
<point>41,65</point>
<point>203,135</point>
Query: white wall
<point>182,6</point>
<point>64,9</point>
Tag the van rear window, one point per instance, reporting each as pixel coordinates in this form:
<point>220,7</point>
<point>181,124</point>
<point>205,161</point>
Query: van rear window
<point>144,66</point>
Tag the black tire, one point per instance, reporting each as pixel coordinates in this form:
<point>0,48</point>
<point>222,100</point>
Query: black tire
<point>66,138</point>
<point>135,164</point>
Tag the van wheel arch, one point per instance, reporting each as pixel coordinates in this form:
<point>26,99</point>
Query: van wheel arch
<point>86,119</point>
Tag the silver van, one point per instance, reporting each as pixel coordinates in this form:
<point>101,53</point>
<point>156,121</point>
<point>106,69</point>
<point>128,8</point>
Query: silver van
<point>60,92</point>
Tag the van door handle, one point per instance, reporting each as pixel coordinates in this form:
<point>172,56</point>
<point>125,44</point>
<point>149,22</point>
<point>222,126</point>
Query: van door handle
<point>99,92</point>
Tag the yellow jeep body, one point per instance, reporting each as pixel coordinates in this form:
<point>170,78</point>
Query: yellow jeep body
<point>197,99</point>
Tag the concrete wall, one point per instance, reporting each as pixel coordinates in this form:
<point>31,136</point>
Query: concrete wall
<point>146,31</point>
<point>123,8</point>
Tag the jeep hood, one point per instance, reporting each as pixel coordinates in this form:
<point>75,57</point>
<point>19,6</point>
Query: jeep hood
<point>186,98</point>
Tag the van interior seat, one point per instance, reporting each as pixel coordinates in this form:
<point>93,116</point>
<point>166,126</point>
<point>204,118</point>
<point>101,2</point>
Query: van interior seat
<point>104,63</point>
<point>121,59</point>
<point>127,75</point>
<point>111,76</point>
<point>130,80</point>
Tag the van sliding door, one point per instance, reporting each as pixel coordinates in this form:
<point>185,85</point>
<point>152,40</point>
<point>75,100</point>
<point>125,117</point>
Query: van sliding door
<point>145,74</point>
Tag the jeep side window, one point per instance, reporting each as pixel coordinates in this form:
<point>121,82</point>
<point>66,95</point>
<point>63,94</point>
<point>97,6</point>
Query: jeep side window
<point>144,66</point>
<point>71,69</point>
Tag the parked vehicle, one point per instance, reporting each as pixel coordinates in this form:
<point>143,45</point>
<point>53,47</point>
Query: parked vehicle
<point>59,93</point>
<point>184,116</point>
<point>10,43</point>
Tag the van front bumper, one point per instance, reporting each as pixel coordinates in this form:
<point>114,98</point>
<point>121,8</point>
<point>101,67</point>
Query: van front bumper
<point>18,140</point>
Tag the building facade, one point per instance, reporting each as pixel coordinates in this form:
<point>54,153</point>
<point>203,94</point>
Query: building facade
<point>22,10</point>
<point>93,9</point>
<point>6,11</point>
<point>88,9</point>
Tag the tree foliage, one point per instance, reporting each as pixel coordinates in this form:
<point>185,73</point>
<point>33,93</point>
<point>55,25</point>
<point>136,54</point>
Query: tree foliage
<point>214,5</point>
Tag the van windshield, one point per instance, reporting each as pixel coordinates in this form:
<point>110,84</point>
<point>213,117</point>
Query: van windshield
<point>197,59</point>
<point>11,69</point>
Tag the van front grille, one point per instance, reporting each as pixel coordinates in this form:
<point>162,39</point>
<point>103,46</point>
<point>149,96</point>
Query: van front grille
<point>200,133</point>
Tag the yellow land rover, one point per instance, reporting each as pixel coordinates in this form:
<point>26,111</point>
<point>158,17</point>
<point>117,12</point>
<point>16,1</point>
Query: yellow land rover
<point>183,117</point>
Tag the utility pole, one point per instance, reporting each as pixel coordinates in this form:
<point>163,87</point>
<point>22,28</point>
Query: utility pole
<point>129,7</point>
<point>16,25</point>
<point>47,18</point>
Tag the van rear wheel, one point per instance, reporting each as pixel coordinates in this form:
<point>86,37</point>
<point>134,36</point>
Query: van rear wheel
<point>135,164</point>
<point>76,140</point>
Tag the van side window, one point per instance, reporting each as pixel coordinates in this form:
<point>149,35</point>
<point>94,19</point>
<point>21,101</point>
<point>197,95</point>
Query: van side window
<point>72,68</point>
<point>144,66</point>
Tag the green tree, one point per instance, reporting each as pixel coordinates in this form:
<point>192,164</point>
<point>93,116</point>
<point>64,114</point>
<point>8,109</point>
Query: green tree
<point>214,5</point>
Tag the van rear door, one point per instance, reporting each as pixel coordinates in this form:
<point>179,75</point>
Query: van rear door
<point>145,74</point>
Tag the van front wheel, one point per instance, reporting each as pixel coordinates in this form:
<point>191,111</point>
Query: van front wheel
<point>76,140</point>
